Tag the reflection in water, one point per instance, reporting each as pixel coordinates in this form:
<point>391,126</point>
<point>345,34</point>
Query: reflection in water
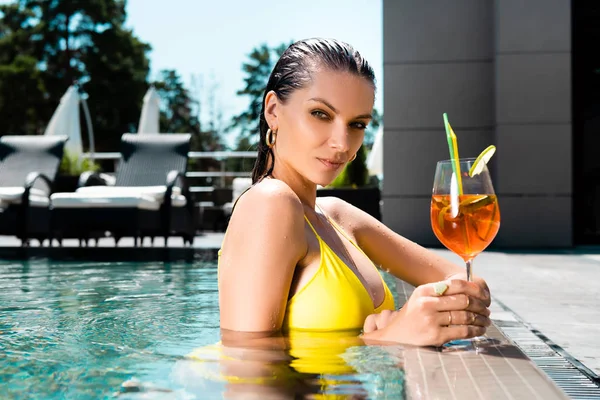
<point>329,365</point>
<point>97,330</point>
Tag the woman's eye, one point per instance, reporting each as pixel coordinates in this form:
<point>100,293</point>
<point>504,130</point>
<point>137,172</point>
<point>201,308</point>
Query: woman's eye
<point>359,125</point>
<point>319,114</point>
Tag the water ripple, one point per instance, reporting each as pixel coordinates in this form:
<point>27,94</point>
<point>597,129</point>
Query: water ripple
<point>105,330</point>
<point>74,330</point>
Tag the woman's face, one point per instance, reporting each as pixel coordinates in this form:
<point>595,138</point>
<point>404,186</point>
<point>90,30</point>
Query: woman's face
<point>321,126</point>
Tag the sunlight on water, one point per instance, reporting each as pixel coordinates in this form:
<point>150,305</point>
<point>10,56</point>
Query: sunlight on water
<point>125,330</point>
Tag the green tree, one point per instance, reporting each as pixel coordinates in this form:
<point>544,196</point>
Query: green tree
<point>176,111</point>
<point>22,90</point>
<point>180,113</point>
<point>257,68</point>
<point>48,45</point>
<point>22,99</point>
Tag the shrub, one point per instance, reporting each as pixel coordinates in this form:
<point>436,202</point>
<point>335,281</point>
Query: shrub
<point>72,165</point>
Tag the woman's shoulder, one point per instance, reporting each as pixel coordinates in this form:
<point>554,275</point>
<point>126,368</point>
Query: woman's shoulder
<point>271,203</point>
<point>270,194</point>
<point>269,210</point>
<point>336,208</point>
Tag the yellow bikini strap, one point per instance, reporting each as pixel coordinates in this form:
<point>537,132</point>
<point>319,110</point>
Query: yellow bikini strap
<point>311,227</point>
<point>340,230</point>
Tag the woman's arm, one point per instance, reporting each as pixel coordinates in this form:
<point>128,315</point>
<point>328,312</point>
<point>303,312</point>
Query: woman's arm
<point>399,256</point>
<point>264,242</point>
<point>433,315</point>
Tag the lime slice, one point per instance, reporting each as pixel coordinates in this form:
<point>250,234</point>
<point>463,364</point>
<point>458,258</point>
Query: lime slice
<point>482,160</point>
<point>472,204</point>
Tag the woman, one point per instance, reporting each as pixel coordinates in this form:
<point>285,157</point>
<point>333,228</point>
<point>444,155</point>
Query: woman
<point>293,263</point>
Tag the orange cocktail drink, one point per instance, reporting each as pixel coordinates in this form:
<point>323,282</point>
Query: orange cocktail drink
<point>464,208</point>
<point>467,224</point>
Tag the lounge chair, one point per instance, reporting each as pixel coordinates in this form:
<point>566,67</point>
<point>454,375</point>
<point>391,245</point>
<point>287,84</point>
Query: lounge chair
<point>144,200</point>
<point>28,167</point>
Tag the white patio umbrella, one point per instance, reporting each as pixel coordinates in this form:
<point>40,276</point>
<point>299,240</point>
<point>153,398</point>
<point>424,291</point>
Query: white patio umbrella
<point>375,158</point>
<point>150,112</point>
<point>65,121</point>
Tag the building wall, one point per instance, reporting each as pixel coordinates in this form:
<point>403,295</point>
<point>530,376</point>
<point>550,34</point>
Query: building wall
<point>438,57</point>
<point>501,70</point>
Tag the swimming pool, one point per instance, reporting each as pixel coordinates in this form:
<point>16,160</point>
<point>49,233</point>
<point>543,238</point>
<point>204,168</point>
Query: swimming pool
<point>105,330</point>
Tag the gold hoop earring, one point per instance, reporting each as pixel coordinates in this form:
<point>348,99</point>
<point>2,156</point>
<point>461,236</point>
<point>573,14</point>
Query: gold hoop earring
<point>353,158</point>
<point>270,138</point>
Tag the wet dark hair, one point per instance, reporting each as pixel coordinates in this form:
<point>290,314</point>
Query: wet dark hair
<point>293,72</point>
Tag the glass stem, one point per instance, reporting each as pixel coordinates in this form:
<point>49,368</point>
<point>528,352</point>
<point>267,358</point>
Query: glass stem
<point>469,271</point>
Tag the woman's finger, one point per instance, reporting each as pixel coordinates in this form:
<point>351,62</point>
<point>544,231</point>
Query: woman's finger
<point>384,318</point>
<point>453,286</point>
<point>456,286</point>
<point>447,318</point>
<point>370,324</point>
<point>485,290</point>
<point>374,322</point>
<point>462,302</point>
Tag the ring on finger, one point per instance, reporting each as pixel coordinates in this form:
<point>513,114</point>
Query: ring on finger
<point>439,288</point>
<point>473,318</point>
<point>449,317</point>
<point>468,302</point>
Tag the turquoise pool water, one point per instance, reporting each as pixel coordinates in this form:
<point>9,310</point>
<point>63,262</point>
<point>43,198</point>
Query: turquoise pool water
<point>123,330</point>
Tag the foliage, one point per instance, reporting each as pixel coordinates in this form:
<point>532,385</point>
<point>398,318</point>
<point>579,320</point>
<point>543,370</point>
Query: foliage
<point>355,173</point>
<point>21,85</point>
<point>21,96</point>
<point>257,68</point>
<point>180,113</point>
<point>47,45</point>
<point>72,164</point>
<point>176,111</point>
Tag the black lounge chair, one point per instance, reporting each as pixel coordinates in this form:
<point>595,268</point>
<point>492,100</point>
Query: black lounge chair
<point>144,200</point>
<point>28,167</point>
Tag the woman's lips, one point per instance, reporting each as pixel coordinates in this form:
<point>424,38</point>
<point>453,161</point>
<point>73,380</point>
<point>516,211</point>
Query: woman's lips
<point>331,164</point>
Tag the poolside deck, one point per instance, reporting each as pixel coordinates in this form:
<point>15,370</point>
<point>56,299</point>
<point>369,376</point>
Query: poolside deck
<point>546,308</point>
<point>512,363</point>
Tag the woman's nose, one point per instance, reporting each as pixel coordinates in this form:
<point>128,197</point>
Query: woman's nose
<point>339,139</point>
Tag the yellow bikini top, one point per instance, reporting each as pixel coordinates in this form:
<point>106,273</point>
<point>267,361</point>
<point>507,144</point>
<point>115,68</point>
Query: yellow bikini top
<point>322,320</point>
<point>334,299</point>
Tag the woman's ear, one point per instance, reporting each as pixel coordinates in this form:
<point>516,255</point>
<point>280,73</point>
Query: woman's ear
<point>271,110</point>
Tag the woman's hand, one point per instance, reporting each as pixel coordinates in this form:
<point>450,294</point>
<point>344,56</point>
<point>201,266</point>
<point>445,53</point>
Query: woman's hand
<point>378,321</point>
<point>479,281</point>
<point>435,313</point>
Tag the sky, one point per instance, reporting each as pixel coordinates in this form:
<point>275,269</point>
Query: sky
<point>211,39</point>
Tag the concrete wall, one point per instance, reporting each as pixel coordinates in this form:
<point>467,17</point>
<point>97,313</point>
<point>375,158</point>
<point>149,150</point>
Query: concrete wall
<point>501,70</point>
<point>533,122</point>
<point>438,57</point>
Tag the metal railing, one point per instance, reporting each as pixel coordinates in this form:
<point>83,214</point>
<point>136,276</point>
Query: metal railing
<point>221,156</point>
